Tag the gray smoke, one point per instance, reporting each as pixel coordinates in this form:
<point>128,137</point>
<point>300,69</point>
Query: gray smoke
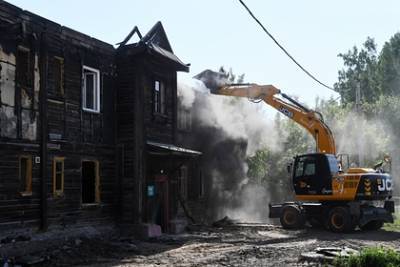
<point>228,130</point>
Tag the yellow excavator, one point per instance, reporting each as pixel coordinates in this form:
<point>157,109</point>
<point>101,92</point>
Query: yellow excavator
<point>327,193</point>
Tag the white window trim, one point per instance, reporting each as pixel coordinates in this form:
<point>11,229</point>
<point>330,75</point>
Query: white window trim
<point>96,101</point>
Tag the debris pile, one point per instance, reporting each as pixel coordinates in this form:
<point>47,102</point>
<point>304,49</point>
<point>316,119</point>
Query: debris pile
<point>226,221</point>
<point>327,254</point>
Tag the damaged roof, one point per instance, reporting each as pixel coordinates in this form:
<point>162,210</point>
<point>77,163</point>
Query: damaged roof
<point>156,43</point>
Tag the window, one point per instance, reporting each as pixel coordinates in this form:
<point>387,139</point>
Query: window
<point>183,173</point>
<point>159,97</point>
<point>306,166</point>
<point>91,89</point>
<point>25,175</point>
<point>299,168</point>
<point>58,176</point>
<point>24,68</point>
<point>333,164</point>
<point>184,119</point>
<point>309,169</point>
<point>90,182</point>
<point>201,185</point>
<point>59,75</point>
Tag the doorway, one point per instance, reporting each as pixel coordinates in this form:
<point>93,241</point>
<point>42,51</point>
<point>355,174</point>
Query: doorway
<point>158,204</point>
<point>90,182</point>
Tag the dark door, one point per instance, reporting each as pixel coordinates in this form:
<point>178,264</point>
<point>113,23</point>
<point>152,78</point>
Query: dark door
<point>161,207</point>
<point>88,182</point>
<point>312,175</point>
<point>305,175</point>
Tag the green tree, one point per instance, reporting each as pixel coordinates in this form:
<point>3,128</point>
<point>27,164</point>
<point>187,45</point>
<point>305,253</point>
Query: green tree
<point>389,67</point>
<point>360,70</point>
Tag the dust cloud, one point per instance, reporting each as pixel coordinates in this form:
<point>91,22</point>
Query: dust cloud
<point>228,130</point>
<point>367,141</point>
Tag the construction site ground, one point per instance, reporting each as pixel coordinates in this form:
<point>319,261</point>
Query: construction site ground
<point>228,245</point>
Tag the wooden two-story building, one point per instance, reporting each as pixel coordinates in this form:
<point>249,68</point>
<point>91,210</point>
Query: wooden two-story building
<point>88,131</point>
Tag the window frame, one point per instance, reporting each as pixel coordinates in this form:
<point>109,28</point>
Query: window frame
<point>58,193</point>
<point>29,82</point>
<point>96,90</point>
<point>27,181</point>
<point>184,119</point>
<point>159,97</point>
<point>59,61</point>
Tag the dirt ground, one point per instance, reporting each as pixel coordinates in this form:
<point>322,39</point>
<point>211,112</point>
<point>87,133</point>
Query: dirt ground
<point>233,245</point>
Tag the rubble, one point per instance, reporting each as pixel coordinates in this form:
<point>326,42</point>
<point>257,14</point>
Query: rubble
<point>229,244</point>
<point>327,254</point>
<point>226,221</point>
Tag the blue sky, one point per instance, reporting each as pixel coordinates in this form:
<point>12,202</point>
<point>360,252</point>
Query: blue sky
<point>209,33</point>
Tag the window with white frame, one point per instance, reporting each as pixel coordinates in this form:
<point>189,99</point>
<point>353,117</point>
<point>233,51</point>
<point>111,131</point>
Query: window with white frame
<point>159,97</point>
<point>91,89</point>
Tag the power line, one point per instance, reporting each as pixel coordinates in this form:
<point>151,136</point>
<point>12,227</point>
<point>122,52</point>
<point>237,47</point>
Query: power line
<point>283,49</point>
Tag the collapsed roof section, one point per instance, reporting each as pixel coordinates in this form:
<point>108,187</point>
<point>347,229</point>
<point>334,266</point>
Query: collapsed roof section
<point>156,43</point>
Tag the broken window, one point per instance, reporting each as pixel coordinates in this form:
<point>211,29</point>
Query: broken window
<point>183,173</point>
<point>25,175</point>
<point>91,89</point>
<point>59,75</point>
<point>159,97</point>
<point>24,68</point>
<point>58,176</point>
<point>184,119</point>
<point>90,182</point>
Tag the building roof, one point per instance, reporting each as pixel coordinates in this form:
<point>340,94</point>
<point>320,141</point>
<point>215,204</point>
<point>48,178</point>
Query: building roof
<point>155,42</point>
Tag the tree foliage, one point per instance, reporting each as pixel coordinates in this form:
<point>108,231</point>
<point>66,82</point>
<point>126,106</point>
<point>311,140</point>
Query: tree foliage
<point>376,74</point>
<point>375,127</point>
<point>360,71</point>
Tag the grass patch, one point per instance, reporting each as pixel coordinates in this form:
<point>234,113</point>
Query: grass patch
<point>370,257</point>
<point>395,226</point>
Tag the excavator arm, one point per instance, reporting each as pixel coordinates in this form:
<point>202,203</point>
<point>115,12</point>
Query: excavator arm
<point>311,120</point>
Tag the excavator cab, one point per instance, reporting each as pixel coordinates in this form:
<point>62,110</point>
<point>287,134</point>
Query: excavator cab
<point>313,173</point>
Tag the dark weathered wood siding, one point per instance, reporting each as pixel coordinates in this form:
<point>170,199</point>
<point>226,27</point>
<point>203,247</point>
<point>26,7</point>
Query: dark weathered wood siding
<point>73,133</point>
<point>46,120</point>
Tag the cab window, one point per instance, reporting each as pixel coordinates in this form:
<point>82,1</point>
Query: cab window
<point>306,166</point>
<point>333,165</point>
<point>309,169</point>
<point>299,168</point>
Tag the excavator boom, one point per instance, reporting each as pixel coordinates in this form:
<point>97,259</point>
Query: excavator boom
<point>311,120</point>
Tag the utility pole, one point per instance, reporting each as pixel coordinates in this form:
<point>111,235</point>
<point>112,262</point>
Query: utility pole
<point>358,114</point>
<point>358,96</point>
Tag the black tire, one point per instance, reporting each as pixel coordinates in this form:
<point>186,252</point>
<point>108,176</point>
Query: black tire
<point>372,226</point>
<point>292,218</point>
<point>340,220</point>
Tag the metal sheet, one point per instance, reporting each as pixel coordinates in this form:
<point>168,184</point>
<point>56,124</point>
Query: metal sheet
<point>173,148</point>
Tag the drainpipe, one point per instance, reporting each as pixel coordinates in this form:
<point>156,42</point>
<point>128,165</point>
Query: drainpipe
<point>43,130</point>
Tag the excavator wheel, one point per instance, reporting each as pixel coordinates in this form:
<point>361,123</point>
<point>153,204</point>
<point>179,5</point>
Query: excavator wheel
<point>292,217</point>
<point>372,226</point>
<point>340,220</point>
